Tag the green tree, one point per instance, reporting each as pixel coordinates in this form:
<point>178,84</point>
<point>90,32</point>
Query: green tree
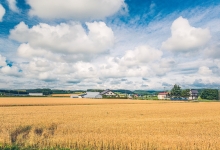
<point>210,94</point>
<point>185,93</point>
<point>176,91</point>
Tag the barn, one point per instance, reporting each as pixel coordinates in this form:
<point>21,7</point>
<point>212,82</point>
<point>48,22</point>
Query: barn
<point>163,95</point>
<point>92,95</point>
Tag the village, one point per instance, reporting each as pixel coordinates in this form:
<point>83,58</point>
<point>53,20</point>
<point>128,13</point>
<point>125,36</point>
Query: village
<point>193,94</point>
<point>176,93</point>
<point>109,94</point>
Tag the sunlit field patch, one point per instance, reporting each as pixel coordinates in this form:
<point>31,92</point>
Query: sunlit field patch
<point>44,123</point>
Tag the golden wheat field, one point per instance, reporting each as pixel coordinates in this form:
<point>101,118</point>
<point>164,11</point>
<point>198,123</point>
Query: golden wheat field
<point>61,95</point>
<point>53,123</point>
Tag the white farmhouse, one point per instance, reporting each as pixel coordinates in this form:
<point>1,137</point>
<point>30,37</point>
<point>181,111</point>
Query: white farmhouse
<point>163,95</point>
<point>106,93</point>
<point>35,94</point>
<point>193,94</point>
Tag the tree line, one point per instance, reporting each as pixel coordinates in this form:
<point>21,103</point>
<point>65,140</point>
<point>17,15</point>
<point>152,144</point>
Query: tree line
<point>209,94</point>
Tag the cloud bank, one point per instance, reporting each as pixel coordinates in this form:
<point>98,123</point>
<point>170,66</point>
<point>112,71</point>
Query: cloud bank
<point>82,44</point>
<point>185,37</point>
<point>65,38</point>
<point>75,9</point>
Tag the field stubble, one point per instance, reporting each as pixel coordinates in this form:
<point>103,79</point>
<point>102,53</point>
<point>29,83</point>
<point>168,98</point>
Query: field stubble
<point>109,124</point>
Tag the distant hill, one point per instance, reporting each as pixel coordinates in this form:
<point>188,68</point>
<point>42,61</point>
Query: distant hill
<point>44,91</point>
<point>123,91</point>
<point>12,92</point>
<point>54,91</point>
<point>95,90</point>
<point>146,92</point>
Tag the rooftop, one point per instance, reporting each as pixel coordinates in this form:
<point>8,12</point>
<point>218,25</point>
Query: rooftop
<point>163,93</point>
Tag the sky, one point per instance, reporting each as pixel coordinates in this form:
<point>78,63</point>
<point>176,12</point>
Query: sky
<point>109,44</point>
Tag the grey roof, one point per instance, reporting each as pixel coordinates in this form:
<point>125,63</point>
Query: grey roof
<point>91,94</point>
<point>194,91</point>
<point>103,92</point>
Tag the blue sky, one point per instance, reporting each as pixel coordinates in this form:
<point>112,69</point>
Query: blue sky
<point>116,44</point>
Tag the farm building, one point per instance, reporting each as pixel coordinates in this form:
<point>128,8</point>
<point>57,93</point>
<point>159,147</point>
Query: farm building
<point>91,95</point>
<point>35,94</point>
<point>108,93</point>
<point>163,95</point>
<point>76,96</point>
<point>130,96</point>
<point>104,94</point>
<point>193,94</point>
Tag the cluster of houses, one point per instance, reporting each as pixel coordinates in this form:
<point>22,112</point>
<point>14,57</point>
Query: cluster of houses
<point>193,94</point>
<point>110,94</point>
<point>107,93</point>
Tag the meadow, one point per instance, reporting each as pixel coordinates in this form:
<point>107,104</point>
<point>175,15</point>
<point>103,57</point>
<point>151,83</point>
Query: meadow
<point>53,123</point>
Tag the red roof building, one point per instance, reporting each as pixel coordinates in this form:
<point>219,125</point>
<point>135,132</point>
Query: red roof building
<point>162,95</point>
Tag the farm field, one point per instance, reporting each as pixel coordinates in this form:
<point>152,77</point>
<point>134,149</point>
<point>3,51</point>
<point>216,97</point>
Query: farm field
<point>61,95</point>
<point>44,123</point>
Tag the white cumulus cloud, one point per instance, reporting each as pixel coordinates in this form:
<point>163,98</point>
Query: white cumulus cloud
<point>43,69</point>
<point>7,70</point>
<point>12,5</point>
<point>2,61</point>
<point>204,70</point>
<point>134,63</point>
<point>27,52</point>
<point>185,37</point>
<point>64,38</point>
<point>75,9</point>
<point>2,12</point>
<point>141,54</point>
<point>213,51</point>
<point>11,71</point>
<point>46,70</point>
